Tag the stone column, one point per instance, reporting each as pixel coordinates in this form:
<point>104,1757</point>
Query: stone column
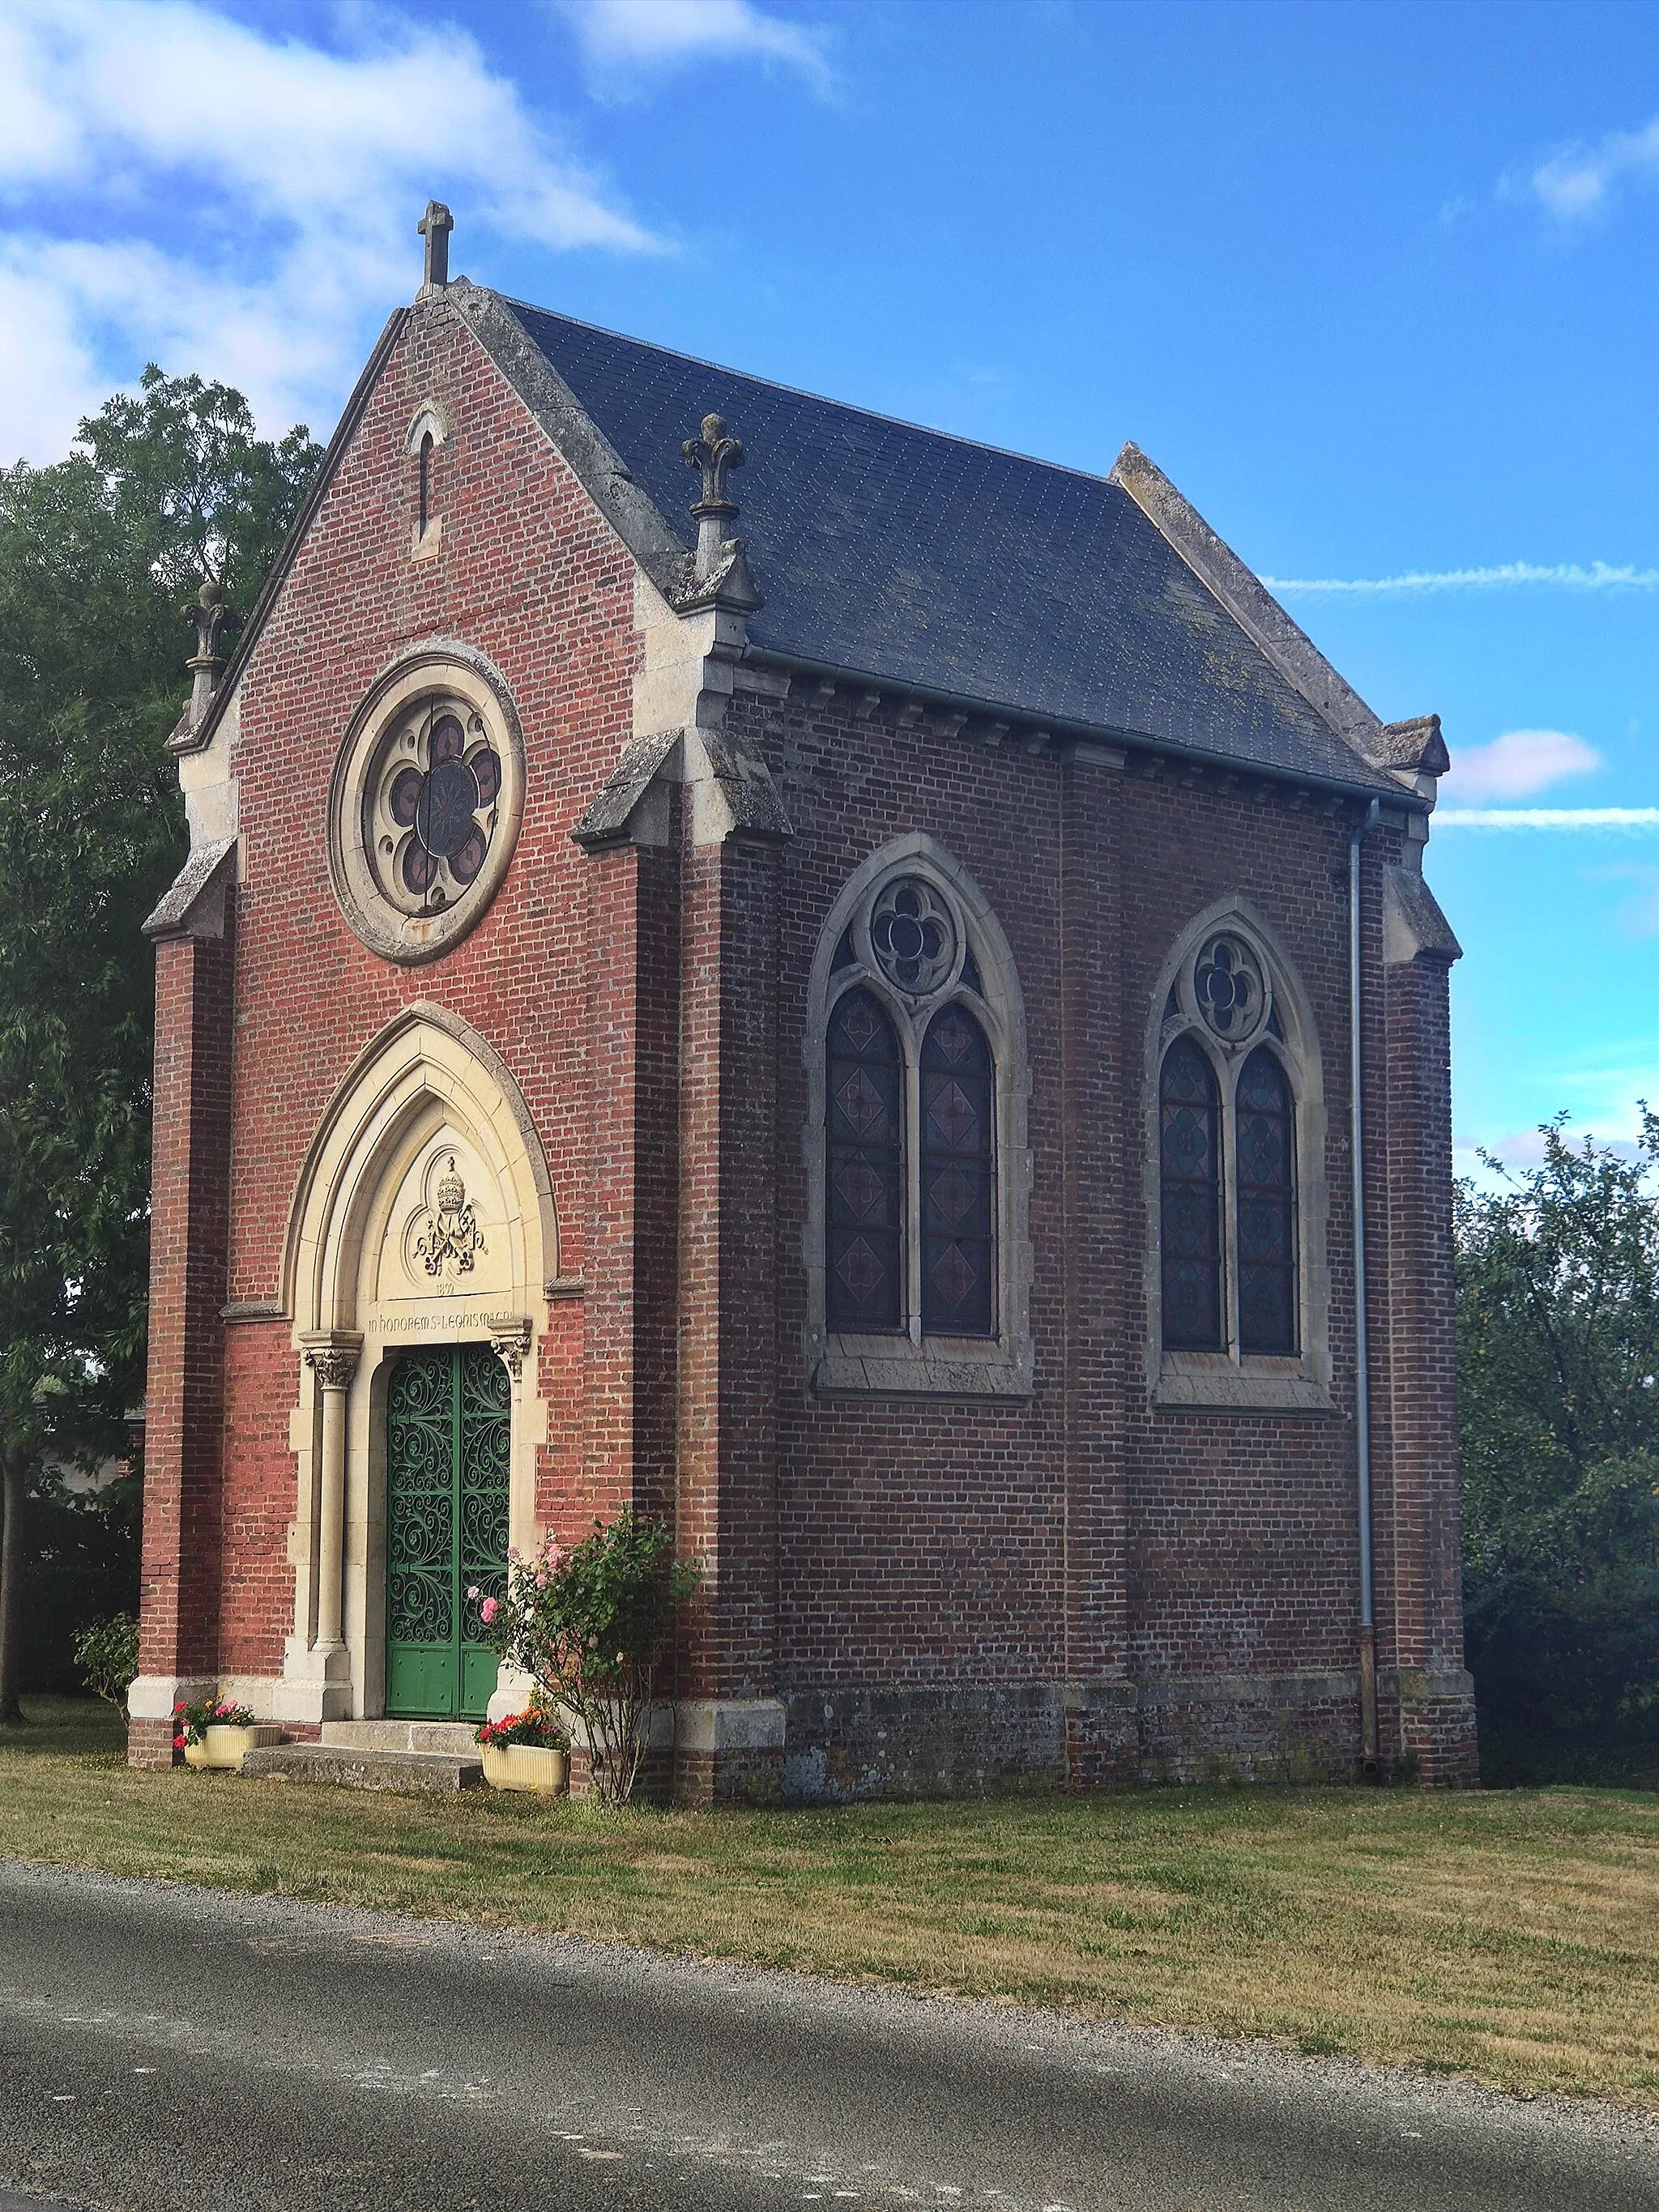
<point>334,1363</point>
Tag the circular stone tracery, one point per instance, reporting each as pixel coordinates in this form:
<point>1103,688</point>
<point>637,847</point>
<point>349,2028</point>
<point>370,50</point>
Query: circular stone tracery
<point>433,797</point>
<point>1228,985</point>
<point>425,804</point>
<point>913,937</point>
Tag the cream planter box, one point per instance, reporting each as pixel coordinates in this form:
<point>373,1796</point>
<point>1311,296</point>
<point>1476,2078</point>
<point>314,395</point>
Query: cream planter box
<point>525,1767</point>
<point>227,1747</point>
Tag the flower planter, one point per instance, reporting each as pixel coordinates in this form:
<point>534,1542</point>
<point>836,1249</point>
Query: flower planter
<point>227,1747</point>
<point>525,1767</point>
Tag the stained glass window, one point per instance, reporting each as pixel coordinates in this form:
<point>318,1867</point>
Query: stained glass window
<point>1190,1122</point>
<point>435,811</point>
<point>1267,1207</point>
<point>913,937</point>
<point>958,1243</point>
<point>864,1205</point>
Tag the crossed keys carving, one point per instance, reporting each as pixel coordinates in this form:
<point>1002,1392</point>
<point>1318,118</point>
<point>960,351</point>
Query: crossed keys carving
<point>451,1239</point>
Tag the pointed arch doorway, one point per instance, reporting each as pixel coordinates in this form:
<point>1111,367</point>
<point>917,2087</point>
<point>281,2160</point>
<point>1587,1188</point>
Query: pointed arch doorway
<point>448,1462</point>
<point>421,1245</point>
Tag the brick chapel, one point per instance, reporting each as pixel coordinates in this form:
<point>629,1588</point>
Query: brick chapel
<point>902,1029</point>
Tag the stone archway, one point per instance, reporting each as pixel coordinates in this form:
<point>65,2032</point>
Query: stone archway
<point>423,1217</point>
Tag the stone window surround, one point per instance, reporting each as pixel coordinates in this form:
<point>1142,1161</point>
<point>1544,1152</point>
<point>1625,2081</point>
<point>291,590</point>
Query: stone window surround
<point>846,1364</point>
<point>1229,1379</point>
<point>429,668</point>
<point>430,420</point>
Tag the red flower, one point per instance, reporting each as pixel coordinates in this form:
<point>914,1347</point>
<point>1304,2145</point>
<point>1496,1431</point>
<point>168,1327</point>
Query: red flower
<point>179,1742</point>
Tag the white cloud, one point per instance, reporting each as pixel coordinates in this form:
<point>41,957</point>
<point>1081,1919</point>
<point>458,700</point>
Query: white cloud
<point>626,34</point>
<point>300,179</point>
<point>1518,764</point>
<point>1568,575</point>
<point>1579,181</point>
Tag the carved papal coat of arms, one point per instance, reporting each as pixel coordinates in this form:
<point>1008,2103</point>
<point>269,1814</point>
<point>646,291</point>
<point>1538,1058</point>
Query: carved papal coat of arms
<point>450,1239</point>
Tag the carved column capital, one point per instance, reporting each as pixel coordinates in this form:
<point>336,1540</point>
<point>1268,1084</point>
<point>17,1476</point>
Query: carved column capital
<point>511,1345</point>
<point>333,1365</point>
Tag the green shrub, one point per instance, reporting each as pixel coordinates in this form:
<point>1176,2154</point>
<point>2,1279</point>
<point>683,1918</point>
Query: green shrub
<point>107,1656</point>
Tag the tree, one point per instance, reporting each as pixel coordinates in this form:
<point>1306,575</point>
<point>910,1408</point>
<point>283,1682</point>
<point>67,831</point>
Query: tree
<point>97,554</point>
<point>1557,1321</point>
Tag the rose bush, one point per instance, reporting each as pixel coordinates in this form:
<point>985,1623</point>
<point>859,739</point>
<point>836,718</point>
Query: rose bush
<point>589,1626</point>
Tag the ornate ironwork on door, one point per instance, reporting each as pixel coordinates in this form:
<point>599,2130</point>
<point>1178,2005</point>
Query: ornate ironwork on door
<point>447,1433</point>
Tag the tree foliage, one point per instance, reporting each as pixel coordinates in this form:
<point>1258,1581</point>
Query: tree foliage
<point>1558,1320</point>
<point>97,555</point>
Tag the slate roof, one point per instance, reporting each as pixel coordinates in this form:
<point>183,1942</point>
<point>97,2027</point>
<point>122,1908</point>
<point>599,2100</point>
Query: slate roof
<point>921,559</point>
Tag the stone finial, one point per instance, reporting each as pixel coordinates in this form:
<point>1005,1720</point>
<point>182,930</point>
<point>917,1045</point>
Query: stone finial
<point>207,611</point>
<point>435,226</point>
<point>716,455</point>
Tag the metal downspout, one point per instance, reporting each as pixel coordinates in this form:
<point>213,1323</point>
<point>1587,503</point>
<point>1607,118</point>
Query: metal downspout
<point>1369,1756</point>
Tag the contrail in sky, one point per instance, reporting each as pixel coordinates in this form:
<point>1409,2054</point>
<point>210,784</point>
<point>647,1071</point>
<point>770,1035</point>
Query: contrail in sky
<point>1571,576</point>
<point>1546,817</point>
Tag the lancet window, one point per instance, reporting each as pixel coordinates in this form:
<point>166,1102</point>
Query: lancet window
<point>915,1229</point>
<point>1229,1204</point>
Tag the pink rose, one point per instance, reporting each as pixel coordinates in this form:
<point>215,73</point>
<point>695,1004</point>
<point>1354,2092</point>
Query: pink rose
<point>487,1609</point>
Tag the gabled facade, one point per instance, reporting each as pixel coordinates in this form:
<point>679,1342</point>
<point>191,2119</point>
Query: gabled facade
<point>842,1034</point>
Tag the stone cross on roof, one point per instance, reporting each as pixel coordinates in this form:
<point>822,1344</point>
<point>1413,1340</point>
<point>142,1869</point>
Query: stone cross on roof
<point>435,226</point>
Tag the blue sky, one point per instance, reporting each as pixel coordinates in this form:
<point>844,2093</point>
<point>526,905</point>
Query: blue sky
<point>1374,284</point>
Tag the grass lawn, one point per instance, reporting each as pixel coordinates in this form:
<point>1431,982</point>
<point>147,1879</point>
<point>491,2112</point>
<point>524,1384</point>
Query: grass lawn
<point>1511,1935</point>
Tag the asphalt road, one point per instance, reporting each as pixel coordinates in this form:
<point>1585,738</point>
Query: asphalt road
<point>165,2049</point>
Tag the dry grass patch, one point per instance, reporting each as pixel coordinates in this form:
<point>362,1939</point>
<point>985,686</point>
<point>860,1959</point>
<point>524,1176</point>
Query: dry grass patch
<point>1513,1935</point>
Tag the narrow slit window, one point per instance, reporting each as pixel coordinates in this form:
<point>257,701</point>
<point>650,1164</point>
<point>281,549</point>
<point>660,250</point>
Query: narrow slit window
<point>1189,1123</point>
<point>426,481</point>
<point>1267,1207</point>
<point>864,1199</point>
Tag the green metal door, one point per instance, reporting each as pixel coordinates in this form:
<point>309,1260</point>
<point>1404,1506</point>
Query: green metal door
<point>447,1417</point>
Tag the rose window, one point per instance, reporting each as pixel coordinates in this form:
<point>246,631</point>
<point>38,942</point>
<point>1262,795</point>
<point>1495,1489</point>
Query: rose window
<point>1227,983</point>
<point>913,937</point>
<point>434,806</point>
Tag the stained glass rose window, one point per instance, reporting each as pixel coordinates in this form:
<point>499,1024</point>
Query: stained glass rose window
<point>435,806</point>
<point>426,802</point>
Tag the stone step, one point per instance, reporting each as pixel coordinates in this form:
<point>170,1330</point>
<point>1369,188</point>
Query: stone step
<point>453,1736</point>
<point>348,1767</point>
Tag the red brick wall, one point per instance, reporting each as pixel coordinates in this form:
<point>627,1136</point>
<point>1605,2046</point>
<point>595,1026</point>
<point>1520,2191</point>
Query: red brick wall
<point>920,1542</point>
<point>528,575</point>
<point>180,1603</point>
